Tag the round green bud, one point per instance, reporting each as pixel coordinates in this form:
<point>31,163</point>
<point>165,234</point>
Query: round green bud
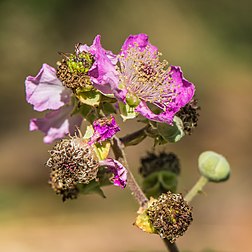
<point>132,100</point>
<point>214,166</point>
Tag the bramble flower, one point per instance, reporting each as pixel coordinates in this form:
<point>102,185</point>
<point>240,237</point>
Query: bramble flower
<point>50,89</point>
<point>104,128</point>
<point>144,80</point>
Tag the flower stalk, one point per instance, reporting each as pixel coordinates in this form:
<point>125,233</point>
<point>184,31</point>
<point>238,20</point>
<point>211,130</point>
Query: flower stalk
<point>135,137</point>
<point>118,149</point>
<point>197,188</point>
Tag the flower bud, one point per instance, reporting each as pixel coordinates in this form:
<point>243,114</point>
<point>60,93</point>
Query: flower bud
<point>169,216</point>
<point>214,166</point>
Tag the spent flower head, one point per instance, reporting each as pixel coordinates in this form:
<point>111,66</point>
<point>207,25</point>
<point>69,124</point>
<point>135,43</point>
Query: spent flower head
<point>76,160</point>
<point>88,67</point>
<point>169,216</point>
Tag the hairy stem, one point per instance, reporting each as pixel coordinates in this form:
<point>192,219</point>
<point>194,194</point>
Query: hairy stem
<point>197,188</point>
<point>118,149</point>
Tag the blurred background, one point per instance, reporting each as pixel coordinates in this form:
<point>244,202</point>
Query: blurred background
<point>210,40</point>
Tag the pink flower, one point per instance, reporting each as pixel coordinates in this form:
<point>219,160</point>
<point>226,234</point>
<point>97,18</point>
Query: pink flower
<point>144,79</point>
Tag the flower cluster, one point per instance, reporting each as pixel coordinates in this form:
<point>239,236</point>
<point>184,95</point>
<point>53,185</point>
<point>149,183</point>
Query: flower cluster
<point>88,87</point>
<point>135,82</point>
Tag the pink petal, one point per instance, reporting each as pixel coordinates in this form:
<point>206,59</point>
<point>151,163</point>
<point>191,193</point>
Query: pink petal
<point>56,124</point>
<point>45,90</point>
<point>164,117</point>
<point>103,72</point>
<point>119,171</point>
<point>141,40</point>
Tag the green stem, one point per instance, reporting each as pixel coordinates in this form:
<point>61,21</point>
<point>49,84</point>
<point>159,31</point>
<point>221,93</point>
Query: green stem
<point>135,137</point>
<point>172,247</point>
<point>197,188</point>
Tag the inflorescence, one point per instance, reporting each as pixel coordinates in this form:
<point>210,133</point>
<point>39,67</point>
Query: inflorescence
<point>86,88</point>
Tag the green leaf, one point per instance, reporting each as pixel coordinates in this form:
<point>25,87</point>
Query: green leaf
<point>159,182</point>
<point>108,108</point>
<point>87,112</point>
<point>91,98</point>
<point>171,133</point>
<point>102,150</point>
<point>126,111</point>
<point>92,187</point>
<point>89,132</point>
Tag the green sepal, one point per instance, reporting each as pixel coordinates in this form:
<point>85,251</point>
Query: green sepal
<point>91,98</point>
<point>127,112</point>
<point>87,112</point>
<point>92,187</point>
<point>89,132</point>
<point>171,133</point>
<point>159,182</point>
<point>108,108</point>
<point>144,223</point>
<point>102,149</point>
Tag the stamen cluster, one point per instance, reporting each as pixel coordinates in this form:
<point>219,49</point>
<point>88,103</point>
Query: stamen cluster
<point>145,76</point>
<point>73,70</point>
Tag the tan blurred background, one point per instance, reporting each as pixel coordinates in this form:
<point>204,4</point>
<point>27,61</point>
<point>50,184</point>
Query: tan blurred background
<point>210,40</point>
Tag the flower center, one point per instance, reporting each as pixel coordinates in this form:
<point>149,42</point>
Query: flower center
<point>73,70</point>
<point>146,77</point>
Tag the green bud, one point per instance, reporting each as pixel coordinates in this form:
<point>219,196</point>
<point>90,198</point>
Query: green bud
<point>132,100</point>
<point>214,166</point>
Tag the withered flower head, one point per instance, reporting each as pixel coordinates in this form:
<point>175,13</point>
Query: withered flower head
<point>169,215</point>
<point>162,162</point>
<point>72,161</point>
<point>189,115</point>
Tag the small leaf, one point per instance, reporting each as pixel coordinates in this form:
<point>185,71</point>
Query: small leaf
<point>108,108</point>
<point>159,182</point>
<point>91,98</point>
<point>92,187</point>
<point>87,112</point>
<point>102,150</point>
<point>171,133</point>
<point>89,132</point>
<point>126,111</point>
